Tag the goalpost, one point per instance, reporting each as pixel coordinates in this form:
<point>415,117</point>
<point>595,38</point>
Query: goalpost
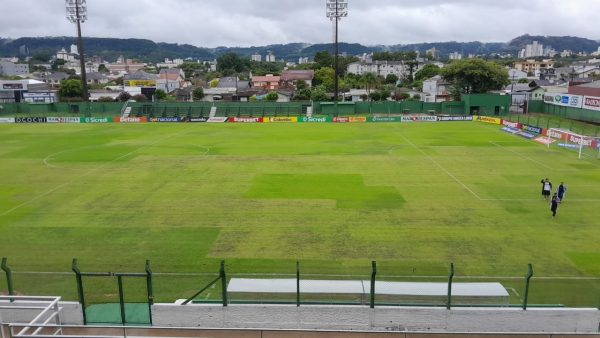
<point>581,143</point>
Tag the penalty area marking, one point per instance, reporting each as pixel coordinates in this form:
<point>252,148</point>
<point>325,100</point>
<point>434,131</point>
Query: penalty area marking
<point>88,173</point>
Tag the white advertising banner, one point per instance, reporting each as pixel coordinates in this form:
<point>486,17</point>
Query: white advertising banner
<point>591,102</point>
<point>7,120</point>
<point>565,100</point>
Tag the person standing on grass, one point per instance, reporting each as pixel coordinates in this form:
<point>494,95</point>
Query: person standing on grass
<point>562,190</point>
<point>554,205</point>
<point>546,188</point>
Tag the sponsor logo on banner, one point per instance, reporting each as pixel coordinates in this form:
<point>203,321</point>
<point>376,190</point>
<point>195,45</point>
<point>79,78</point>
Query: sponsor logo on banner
<point>313,119</point>
<point>532,129</point>
<point>588,142</point>
<point>340,120</point>
<point>96,120</point>
<point>291,119</point>
<point>511,124</point>
<point>565,100</point>
<point>526,135</point>
<point>7,120</point>
<point>246,119</point>
<point>164,119</point>
<point>556,134</point>
<point>455,118</point>
<point>357,119</point>
<point>568,145</point>
<point>384,119</point>
<point>30,120</point>
<point>510,130</point>
<point>63,120</point>
<point>419,119</point>
<point>592,103</point>
<point>131,119</point>
<point>217,120</point>
<point>491,120</point>
<point>198,119</point>
<point>544,140</point>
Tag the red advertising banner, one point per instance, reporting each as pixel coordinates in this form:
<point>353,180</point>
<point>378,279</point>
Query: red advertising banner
<point>246,119</point>
<point>515,125</point>
<point>591,102</point>
<point>340,120</point>
<point>130,119</point>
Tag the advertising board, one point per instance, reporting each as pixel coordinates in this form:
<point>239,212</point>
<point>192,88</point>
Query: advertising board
<point>306,119</point>
<point>357,119</point>
<point>217,120</point>
<point>510,124</point>
<point>419,119</point>
<point>491,120</point>
<point>384,119</point>
<point>455,118</point>
<point>533,129</point>
<point>30,120</point>
<point>340,120</point>
<point>289,119</point>
<point>164,119</point>
<point>245,119</point>
<point>591,103</point>
<point>131,119</point>
<point>7,120</point>
<point>96,120</point>
<point>63,120</point>
<point>198,119</point>
<point>564,100</point>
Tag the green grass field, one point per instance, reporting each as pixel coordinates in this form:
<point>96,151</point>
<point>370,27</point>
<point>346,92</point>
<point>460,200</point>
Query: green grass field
<point>414,197</point>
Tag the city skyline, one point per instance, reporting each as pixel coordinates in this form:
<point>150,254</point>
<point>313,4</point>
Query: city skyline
<point>241,23</point>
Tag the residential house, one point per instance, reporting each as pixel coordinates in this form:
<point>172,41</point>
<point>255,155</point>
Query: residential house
<point>436,89</point>
<point>267,82</point>
<point>96,78</point>
<point>383,68</point>
<point>587,89</point>
<point>516,75</point>
<point>140,78</point>
<point>522,92</point>
<point>183,94</point>
<point>126,66</point>
<point>290,78</point>
<point>533,66</point>
<point>170,79</point>
<point>55,78</point>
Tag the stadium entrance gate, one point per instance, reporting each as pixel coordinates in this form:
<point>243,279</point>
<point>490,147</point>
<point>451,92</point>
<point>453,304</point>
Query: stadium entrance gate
<point>115,298</point>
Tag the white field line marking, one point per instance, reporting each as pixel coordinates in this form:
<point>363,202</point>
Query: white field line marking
<point>87,173</point>
<point>443,169</point>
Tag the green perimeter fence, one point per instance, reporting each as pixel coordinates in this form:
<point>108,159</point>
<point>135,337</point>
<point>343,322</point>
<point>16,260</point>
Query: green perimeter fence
<point>555,121</point>
<point>100,291</point>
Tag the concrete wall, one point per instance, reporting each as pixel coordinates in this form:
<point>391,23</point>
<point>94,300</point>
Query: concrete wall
<point>378,319</point>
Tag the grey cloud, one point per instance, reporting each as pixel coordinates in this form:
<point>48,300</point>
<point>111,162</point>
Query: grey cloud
<point>244,23</point>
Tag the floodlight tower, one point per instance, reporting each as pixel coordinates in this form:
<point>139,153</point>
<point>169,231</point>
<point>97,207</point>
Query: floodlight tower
<point>77,13</point>
<point>336,10</point>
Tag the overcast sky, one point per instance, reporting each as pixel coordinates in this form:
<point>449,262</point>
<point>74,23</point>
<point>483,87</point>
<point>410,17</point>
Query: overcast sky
<point>211,23</point>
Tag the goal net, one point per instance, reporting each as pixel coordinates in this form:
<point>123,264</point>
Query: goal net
<point>585,146</point>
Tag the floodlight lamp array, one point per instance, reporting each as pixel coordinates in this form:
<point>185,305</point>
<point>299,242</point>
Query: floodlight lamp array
<point>337,9</point>
<point>76,10</point>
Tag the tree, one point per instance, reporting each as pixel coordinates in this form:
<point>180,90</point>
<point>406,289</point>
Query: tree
<point>198,94</point>
<point>102,69</point>
<point>323,60</point>
<point>302,95</point>
<point>523,80</point>
<point>319,93</point>
<point>391,79</point>
<point>71,89</point>
<point>324,76</point>
<point>384,94</point>
<point>139,98</point>
<point>124,97</point>
<point>369,80</point>
<point>105,99</point>
<point>231,63</point>
<point>475,76</point>
<point>56,64</point>
<point>160,95</point>
<point>375,96</point>
<point>272,97</point>
<point>427,72</point>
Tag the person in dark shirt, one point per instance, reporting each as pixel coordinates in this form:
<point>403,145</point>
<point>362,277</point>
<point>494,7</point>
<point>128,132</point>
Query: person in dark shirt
<point>562,190</point>
<point>554,205</point>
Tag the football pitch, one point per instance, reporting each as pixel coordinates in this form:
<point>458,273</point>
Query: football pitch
<point>413,197</point>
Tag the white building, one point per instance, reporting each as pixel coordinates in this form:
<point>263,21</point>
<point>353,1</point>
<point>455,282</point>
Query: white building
<point>74,50</point>
<point>302,61</point>
<point>64,55</point>
<point>257,57</point>
<point>270,58</point>
<point>455,56</point>
<point>170,63</point>
<point>436,89</point>
<point>536,49</point>
<point>382,68</point>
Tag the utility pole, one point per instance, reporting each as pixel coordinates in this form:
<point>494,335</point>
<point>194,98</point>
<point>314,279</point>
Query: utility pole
<point>336,10</point>
<point>77,13</point>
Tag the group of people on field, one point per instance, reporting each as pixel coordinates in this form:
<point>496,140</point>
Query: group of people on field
<point>557,197</point>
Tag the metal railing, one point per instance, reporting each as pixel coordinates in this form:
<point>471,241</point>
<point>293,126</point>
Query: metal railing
<point>49,311</point>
